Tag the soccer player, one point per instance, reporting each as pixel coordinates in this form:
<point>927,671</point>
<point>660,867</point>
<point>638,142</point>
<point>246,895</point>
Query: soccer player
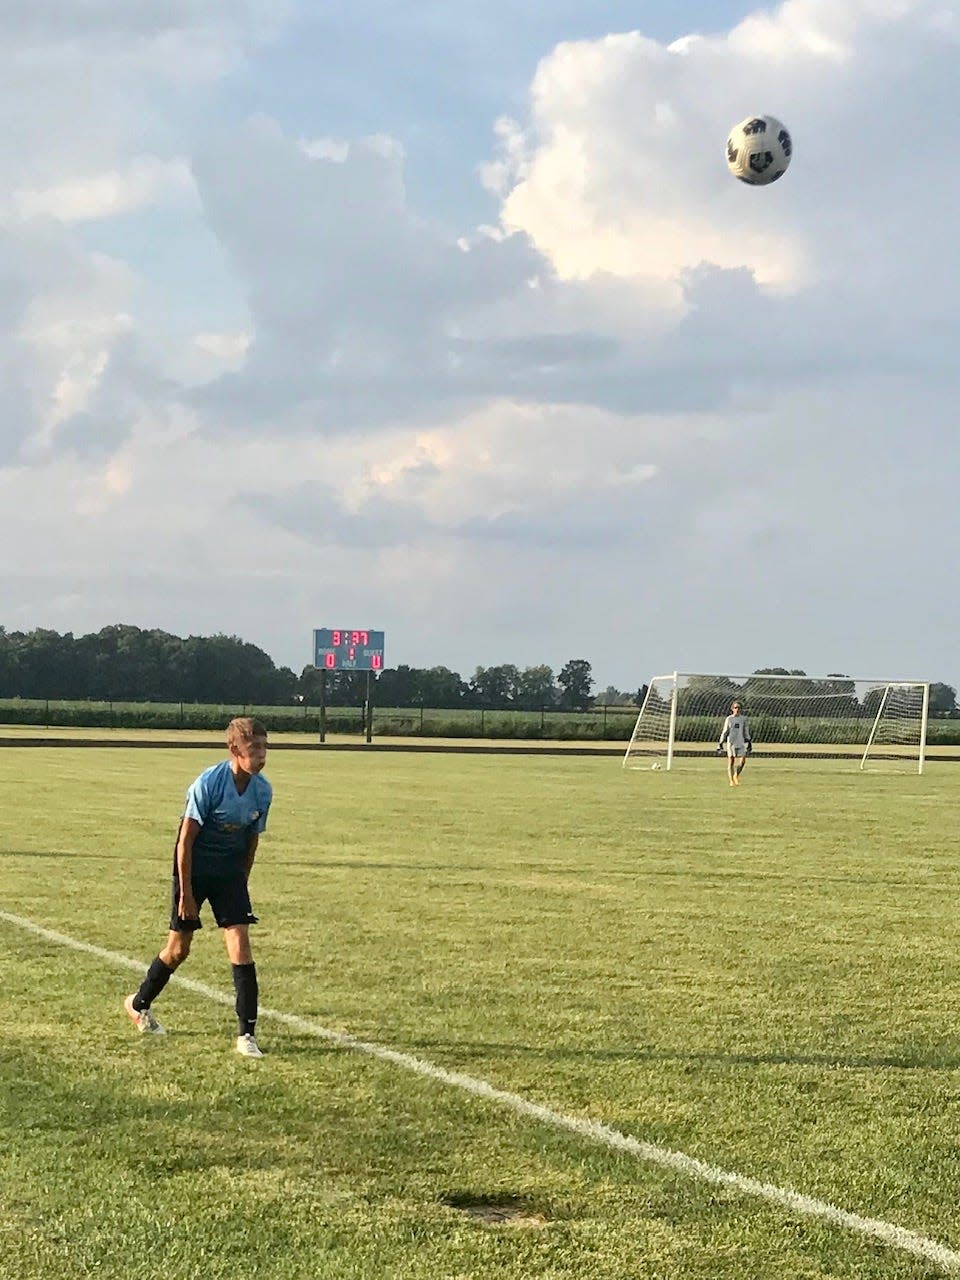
<point>735,735</point>
<point>226,810</point>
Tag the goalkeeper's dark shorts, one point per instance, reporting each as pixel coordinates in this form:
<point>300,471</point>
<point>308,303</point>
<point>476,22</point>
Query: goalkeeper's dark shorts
<point>228,895</point>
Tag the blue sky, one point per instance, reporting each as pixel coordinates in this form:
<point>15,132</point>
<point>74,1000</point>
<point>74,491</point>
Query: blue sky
<point>454,325</point>
<point>435,74</point>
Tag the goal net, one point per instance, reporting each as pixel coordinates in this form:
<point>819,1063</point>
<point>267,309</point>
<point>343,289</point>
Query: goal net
<point>839,717</point>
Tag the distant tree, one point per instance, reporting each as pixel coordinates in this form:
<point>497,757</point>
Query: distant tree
<point>124,663</point>
<point>9,666</point>
<point>535,688</point>
<point>287,683</point>
<point>492,686</point>
<point>308,686</point>
<point>333,688</point>
<point>575,680</point>
<point>784,688</point>
<point>709,695</point>
<point>943,700</point>
<point>612,697</point>
<point>346,688</point>
<point>406,686</point>
<point>441,687</point>
<point>398,686</point>
<point>44,665</point>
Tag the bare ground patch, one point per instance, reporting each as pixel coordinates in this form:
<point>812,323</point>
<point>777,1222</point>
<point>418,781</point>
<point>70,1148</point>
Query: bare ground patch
<point>498,1211</point>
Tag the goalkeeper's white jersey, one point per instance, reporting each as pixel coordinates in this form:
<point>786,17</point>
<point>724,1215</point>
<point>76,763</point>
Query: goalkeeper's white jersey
<point>735,731</point>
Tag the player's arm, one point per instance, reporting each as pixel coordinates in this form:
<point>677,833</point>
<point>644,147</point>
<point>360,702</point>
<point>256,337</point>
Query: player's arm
<point>187,907</point>
<point>748,741</point>
<point>252,841</point>
<point>724,733</point>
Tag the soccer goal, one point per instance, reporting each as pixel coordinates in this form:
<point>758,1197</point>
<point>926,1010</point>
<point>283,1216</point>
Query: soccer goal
<point>839,717</point>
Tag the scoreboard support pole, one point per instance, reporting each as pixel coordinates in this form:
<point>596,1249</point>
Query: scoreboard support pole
<point>368,706</point>
<point>323,704</point>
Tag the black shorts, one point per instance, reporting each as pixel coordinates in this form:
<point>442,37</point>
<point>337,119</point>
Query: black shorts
<point>228,896</point>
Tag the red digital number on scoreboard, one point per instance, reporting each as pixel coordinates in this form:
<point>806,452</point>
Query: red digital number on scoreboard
<point>348,650</point>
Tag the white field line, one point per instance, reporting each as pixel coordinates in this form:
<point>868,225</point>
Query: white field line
<point>794,1201</point>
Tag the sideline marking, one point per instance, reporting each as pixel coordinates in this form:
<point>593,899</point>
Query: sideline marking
<point>794,1201</point>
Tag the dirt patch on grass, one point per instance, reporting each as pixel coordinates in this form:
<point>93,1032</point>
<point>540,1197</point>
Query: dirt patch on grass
<point>498,1211</point>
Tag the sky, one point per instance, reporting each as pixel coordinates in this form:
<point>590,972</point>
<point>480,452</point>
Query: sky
<point>448,320</point>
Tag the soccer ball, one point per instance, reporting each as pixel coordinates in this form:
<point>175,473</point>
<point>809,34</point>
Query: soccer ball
<point>759,150</point>
<point>655,765</point>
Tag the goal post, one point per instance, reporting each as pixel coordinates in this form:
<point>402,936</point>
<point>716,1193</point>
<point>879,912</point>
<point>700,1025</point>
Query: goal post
<point>898,704</point>
<point>826,717</point>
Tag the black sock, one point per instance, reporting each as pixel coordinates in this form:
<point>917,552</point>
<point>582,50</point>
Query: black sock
<point>245,985</point>
<point>158,975</point>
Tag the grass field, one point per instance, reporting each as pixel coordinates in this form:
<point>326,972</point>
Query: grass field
<point>762,979</point>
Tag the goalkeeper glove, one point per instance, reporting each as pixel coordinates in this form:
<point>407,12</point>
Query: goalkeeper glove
<point>749,748</point>
<point>719,748</point>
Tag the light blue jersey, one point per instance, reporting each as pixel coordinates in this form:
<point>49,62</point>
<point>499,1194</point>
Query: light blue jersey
<point>227,819</point>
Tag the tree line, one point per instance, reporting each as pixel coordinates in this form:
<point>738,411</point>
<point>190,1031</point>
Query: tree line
<point>943,697</point>
<point>505,686</point>
<point>126,664</point>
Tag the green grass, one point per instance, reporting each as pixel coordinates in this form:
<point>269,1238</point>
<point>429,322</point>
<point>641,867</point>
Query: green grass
<point>763,978</point>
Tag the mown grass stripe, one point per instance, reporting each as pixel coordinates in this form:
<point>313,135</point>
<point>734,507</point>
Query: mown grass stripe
<point>887,1233</point>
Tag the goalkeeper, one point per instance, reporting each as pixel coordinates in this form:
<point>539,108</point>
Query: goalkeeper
<point>735,739</point>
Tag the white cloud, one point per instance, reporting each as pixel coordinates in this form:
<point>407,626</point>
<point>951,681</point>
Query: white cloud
<point>620,166</point>
<point>144,181</point>
<point>89,141</point>
<point>64,311</point>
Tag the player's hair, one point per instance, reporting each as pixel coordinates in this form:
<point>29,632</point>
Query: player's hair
<point>243,730</point>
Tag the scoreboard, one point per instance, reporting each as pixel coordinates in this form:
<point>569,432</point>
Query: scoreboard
<point>347,649</point>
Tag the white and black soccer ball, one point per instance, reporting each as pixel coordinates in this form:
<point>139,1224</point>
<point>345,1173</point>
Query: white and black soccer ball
<point>759,150</point>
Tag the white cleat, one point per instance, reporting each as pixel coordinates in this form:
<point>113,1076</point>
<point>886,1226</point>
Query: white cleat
<point>143,1019</point>
<point>247,1047</point>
